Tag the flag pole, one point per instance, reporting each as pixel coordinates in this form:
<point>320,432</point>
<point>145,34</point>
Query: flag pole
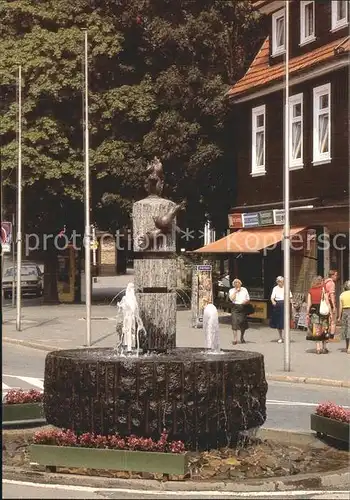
<point>19,205</point>
<point>286,198</point>
<point>87,200</point>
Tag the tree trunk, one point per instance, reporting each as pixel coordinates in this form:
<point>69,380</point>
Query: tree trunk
<point>50,277</point>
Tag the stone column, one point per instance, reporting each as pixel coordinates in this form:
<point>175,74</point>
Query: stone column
<point>155,275</point>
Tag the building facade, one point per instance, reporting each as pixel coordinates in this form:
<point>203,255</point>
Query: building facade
<point>318,142</point>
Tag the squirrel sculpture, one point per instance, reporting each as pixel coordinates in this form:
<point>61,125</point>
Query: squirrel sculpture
<point>155,180</point>
<point>164,225</point>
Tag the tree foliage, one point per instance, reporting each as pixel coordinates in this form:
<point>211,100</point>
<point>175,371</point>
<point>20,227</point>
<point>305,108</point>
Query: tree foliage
<point>158,74</point>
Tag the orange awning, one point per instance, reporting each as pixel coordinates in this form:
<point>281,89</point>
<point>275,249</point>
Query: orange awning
<point>248,240</point>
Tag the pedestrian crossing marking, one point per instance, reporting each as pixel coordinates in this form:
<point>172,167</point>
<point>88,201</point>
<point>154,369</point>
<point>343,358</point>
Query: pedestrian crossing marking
<point>21,382</point>
<point>32,381</point>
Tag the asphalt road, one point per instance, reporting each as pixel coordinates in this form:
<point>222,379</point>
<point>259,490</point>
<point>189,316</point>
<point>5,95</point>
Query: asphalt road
<point>289,405</point>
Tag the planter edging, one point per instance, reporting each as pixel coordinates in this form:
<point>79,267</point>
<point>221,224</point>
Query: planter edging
<point>330,427</point>
<point>52,456</point>
<point>22,413</point>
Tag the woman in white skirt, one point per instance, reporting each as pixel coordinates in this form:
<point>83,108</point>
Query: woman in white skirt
<point>239,297</point>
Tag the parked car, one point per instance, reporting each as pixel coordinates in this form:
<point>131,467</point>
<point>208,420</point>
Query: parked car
<point>31,280</point>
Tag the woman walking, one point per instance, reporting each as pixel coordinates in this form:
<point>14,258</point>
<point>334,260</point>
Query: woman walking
<point>329,286</point>
<point>239,297</point>
<point>318,324</point>
<point>344,314</point>
<point>277,300</point>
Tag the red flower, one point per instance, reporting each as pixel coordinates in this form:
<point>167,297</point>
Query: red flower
<point>331,410</point>
<point>90,440</point>
<point>19,396</point>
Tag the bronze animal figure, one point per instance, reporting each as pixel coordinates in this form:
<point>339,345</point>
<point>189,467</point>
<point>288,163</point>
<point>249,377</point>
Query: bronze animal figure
<point>155,179</point>
<point>165,222</point>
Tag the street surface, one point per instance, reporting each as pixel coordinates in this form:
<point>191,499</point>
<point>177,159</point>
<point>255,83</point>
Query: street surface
<point>289,405</point>
<point>16,489</point>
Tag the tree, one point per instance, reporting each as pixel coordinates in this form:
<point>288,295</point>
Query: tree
<point>158,74</point>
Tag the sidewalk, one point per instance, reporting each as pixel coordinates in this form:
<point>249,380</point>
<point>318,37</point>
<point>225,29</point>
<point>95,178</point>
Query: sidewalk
<point>63,327</point>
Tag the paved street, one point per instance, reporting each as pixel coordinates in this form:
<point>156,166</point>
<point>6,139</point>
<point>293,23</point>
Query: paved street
<point>289,405</point>
<point>16,489</point>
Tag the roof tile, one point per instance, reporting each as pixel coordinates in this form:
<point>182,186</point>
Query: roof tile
<point>260,73</point>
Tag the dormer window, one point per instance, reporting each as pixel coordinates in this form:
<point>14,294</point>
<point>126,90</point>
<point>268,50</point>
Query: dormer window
<point>278,33</point>
<point>307,22</point>
<point>339,14</point>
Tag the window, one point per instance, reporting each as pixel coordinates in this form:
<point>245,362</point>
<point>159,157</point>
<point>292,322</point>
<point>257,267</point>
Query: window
<point>322,123</point>
<point>278,34</point>
<point>307,22</point>
<point>258,140</point>
<point>339,14</point>
<point>296,131</point>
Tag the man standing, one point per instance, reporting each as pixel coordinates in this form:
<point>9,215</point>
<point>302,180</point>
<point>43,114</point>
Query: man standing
<point>329,286</point>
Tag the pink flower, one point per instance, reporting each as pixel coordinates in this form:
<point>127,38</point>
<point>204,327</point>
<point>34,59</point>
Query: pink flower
<point>19,396</point>
<point>331,410</point>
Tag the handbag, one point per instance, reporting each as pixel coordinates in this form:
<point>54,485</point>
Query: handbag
<point>249,309</point>
<point>324,307</point>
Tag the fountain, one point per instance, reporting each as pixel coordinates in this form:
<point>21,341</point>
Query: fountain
<point>211,328</point>
<point>146,384</point>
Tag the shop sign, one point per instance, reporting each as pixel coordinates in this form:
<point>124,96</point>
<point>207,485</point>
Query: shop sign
<point>260,309</point>
<point>235,221</point>
<point>202,293</point>
<point>266,218</point>
<point>278,217</point>
<point>251,219</point>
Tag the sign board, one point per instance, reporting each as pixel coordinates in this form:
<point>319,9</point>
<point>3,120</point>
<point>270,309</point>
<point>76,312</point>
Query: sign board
<point>266,218</point>
<point>260,309</point>
<point>250,219</point>
<point>235,221</point>
<point>278,217</point>
<point>202,293</point>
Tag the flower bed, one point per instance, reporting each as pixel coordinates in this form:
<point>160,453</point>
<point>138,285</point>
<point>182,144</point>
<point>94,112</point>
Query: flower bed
<point>331,420</point>
<point>64,448</point>
<point>23,407</point>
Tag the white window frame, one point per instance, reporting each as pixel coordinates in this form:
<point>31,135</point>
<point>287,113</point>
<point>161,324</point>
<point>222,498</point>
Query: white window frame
<point>341,23</point>
<point>258,169</point>
<point>319,157</point>
<point>276,51</point>
<point>293,100</point>
<point>303,37</point>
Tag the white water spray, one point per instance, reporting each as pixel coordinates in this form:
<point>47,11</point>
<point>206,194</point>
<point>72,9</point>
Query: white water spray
<point>211,328</point>
<point>132,323</point>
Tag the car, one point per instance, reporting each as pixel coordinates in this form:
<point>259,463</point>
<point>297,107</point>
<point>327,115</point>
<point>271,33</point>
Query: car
<point>31,280</point>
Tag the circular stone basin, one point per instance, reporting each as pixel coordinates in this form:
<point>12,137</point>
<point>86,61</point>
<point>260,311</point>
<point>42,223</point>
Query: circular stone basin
<point>204,399</point>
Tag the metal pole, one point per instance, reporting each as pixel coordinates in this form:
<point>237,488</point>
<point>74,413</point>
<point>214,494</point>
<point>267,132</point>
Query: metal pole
<point>94,243</point>
<point>286,236</point>
<point>87,204</point>
<point>19,203</point>
<point>13,262</point>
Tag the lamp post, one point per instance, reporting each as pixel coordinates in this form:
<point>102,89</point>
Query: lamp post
<point>19,205</point>
<point>87,242</point>
<point>286,194</point>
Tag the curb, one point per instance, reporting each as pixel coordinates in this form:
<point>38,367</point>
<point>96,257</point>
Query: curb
<point>317,480</point>
<point>269,376</point>
<point>308,380</point>
<point>32,345</point>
